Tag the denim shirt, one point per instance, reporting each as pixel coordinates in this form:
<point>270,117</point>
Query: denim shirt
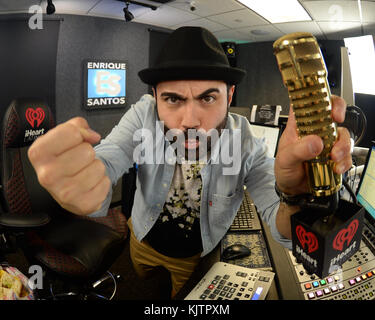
<point>221,193</point>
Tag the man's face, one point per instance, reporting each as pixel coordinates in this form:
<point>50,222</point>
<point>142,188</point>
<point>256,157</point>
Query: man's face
<point>193,104</point>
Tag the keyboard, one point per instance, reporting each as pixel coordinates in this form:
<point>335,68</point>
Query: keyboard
<point>226,281</point>
<point>246,218</point>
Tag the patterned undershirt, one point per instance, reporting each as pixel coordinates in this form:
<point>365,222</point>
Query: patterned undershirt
<point>176,233</point>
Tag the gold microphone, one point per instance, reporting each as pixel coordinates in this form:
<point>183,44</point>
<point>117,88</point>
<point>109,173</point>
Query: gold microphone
<point>304,74</point>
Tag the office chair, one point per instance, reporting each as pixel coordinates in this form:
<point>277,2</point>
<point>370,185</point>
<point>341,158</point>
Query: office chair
<point>76,250</point>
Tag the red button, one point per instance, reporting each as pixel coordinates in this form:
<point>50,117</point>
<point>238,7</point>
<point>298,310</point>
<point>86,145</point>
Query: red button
<point>307,286</point>
<point>369,274</point>
<point>211,286</point>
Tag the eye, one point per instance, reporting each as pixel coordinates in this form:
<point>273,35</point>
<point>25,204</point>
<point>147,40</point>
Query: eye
<point>208,99</point>
<point>172,100</point>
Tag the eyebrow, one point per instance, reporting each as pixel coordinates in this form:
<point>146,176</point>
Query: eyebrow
<point>180,97</point>
<point>207,92</point>
<point>173,94</point>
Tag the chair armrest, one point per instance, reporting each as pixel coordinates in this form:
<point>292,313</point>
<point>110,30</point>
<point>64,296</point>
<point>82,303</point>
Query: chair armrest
<point>24,220</point>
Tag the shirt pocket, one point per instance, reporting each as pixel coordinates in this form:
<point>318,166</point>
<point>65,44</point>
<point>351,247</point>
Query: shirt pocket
<point>225,207</point>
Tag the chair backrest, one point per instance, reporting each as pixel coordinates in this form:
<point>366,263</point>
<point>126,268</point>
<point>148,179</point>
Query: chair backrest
<point>24,121</point>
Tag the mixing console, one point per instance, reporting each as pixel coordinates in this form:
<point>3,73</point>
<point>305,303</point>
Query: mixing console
<point>354,281</point>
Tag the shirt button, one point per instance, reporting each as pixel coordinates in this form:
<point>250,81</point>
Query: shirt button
<point>164,185</point>
<point>158,205</point>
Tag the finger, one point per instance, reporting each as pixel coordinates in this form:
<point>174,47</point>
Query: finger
<point>75,159</point>
<point>72,188</point>
<point>343,165</point>
<point>342,147</point>
<point>302,150</point>
<point>92,200</point>
<point>289,134</point>
<point>60,139</point>
<point>291,123</point>
<point>338,108</point>
<point>87,133</point>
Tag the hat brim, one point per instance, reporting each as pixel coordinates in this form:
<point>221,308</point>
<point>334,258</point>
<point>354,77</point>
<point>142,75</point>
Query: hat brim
<point>153,76</point>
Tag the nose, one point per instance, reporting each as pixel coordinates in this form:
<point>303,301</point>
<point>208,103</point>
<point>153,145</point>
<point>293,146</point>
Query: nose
<point>190,118</point>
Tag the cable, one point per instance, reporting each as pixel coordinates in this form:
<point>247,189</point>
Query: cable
<point>350,192</point>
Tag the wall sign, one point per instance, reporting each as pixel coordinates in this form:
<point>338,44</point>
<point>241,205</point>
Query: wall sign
<point>104,84</point>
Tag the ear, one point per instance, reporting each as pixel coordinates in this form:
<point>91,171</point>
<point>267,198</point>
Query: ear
<point>154,91</point>
<point>230,94</point>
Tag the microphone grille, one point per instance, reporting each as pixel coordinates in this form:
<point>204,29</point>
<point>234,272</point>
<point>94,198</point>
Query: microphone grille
<point>304,74</point>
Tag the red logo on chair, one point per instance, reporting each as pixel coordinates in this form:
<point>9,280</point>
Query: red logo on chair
<point>346,234</point>
<point>32,115</point>
<point>307,238</point>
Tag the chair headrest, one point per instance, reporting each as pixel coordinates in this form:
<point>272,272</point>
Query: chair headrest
<point>24,121</point>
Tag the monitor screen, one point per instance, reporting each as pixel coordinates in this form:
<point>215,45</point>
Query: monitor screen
<point>105,84</point>
<point>366,188</point>
<point>271,135</point>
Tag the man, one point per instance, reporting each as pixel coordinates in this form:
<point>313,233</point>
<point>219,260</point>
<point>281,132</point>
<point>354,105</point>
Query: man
<point>182,209</point>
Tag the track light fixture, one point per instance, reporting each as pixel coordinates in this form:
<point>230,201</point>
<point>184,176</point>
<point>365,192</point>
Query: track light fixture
<point>50,7</point>
<point>128,15</point>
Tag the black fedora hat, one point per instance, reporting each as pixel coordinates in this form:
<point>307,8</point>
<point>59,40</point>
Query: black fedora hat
<point>191,53</point>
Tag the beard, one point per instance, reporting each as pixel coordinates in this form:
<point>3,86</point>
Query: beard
<point>195,144</point>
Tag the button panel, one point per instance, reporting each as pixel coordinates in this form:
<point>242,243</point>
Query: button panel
<point>226,281</point>
<point>355,280</point>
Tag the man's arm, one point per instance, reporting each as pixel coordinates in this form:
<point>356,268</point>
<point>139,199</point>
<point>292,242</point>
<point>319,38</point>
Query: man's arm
<point>293,151</point>
<point>283,219</point>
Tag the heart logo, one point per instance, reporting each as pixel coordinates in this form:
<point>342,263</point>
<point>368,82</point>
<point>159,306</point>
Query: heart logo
<point>345,234</point>
<point>32,115</point>
<point>307,238</point>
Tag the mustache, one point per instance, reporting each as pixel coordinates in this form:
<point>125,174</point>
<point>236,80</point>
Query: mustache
<point>188,134</point>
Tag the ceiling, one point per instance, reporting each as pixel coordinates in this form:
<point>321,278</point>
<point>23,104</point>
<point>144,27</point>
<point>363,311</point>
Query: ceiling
<point>227,19</point>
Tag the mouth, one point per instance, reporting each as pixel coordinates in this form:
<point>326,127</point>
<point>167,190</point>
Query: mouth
<point>191,144</point>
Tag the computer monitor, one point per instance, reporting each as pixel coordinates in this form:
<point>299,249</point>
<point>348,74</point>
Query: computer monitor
<point>271,135</point>
<point>366,187</point>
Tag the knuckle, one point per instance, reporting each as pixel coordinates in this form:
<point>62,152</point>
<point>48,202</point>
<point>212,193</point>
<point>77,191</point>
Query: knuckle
<point>107,183</point>
<point>45,176</point>
<point>89,151</point>
<point>73,132</point>
<point>66,194</point>
<point>100,167</point>
<point>87,207</point>
<point>78,122</point>
<point>33,153</point>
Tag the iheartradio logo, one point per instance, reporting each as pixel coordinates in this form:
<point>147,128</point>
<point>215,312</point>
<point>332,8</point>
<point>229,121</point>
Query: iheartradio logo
<point>345,235</point>
<point>33,115</point>
<point>307,239</point>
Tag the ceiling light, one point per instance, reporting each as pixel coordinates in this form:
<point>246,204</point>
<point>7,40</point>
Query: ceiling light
<point>50,7</point>
<point>277,11</point>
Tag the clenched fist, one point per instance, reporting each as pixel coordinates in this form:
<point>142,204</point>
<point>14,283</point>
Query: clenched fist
<point>64,161</point>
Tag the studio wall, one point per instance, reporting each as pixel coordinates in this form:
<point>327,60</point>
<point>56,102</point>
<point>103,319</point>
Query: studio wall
<point>103,39</point>
<point>263,83</point>
<point>27,61</point>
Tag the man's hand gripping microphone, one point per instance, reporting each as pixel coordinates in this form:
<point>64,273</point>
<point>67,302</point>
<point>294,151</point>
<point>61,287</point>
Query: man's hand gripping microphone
<point>305,76</point>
